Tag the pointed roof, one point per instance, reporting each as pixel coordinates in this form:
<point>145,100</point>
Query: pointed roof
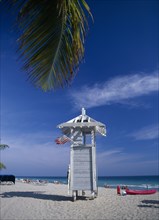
<point>84,122</point>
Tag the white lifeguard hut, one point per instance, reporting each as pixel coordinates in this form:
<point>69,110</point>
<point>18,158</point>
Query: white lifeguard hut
<point>82,175</point>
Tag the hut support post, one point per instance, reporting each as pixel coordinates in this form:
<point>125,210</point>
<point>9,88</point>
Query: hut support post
<point>94,176</point>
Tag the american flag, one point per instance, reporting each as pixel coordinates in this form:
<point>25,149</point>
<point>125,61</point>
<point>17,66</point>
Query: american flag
<point>62,140</point>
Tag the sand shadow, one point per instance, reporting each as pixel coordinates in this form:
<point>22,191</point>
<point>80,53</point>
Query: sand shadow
<point>149,204</point>
<point>36,195</point>
<point>150,201</point>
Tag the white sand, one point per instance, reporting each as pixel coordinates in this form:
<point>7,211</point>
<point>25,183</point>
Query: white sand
<point>51,201</point>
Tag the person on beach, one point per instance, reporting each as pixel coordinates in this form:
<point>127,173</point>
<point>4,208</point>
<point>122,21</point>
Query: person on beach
<point>118,190</point>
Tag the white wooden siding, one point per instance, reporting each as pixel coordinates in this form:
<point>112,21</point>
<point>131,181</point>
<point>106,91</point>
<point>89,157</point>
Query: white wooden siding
<point>81,164</point>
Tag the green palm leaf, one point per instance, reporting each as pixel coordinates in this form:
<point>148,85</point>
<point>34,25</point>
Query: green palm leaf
<point>2,166</point>
<point>2,147</point>
<point>52,40</point>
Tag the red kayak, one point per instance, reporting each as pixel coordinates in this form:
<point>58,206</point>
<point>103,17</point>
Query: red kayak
<point>140,192</point>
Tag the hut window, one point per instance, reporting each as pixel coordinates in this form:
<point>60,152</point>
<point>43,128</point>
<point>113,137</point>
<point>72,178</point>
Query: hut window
<point>86,120</point>
<point>88,139</point>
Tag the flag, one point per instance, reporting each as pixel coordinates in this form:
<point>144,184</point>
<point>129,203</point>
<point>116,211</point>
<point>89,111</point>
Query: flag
<point>62,140</point>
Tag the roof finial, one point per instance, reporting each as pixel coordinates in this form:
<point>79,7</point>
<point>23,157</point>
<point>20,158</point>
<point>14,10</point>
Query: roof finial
<point>83,111</point>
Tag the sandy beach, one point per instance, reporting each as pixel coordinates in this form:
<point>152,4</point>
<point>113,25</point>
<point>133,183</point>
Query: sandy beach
<point>27,201</point>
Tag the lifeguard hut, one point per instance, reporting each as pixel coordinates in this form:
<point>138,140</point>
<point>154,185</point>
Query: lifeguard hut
<point>82,175</point>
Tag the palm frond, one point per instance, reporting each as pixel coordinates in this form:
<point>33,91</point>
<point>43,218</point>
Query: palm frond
<point>2,166</point>
<point>3,146</point>
<point>52,41</point>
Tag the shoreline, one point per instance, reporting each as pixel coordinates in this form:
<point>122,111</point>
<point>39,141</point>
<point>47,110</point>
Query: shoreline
<point>132,182</point>
<point>25,201</point>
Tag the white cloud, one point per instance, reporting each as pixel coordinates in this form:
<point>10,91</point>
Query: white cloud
<point>117,162</point>
<point>35,154</point>
<point>147,133</point>
<point>116,90</point>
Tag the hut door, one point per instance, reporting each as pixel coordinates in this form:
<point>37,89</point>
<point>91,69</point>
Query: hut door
<point>81,168</point>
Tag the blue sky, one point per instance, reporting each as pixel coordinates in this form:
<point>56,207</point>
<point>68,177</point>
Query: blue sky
<point>117,84</point>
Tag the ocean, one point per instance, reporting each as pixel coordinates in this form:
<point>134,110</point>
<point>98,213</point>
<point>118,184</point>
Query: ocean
<point>132,182</point>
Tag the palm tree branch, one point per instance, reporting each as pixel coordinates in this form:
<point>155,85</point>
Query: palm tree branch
<point>52,39</point>
<point>3,146</point>
<point>2,166</point>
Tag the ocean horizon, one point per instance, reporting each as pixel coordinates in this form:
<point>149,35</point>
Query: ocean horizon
<point>132,182</point>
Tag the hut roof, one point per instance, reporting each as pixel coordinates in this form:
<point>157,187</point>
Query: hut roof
<point>84,122</point>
